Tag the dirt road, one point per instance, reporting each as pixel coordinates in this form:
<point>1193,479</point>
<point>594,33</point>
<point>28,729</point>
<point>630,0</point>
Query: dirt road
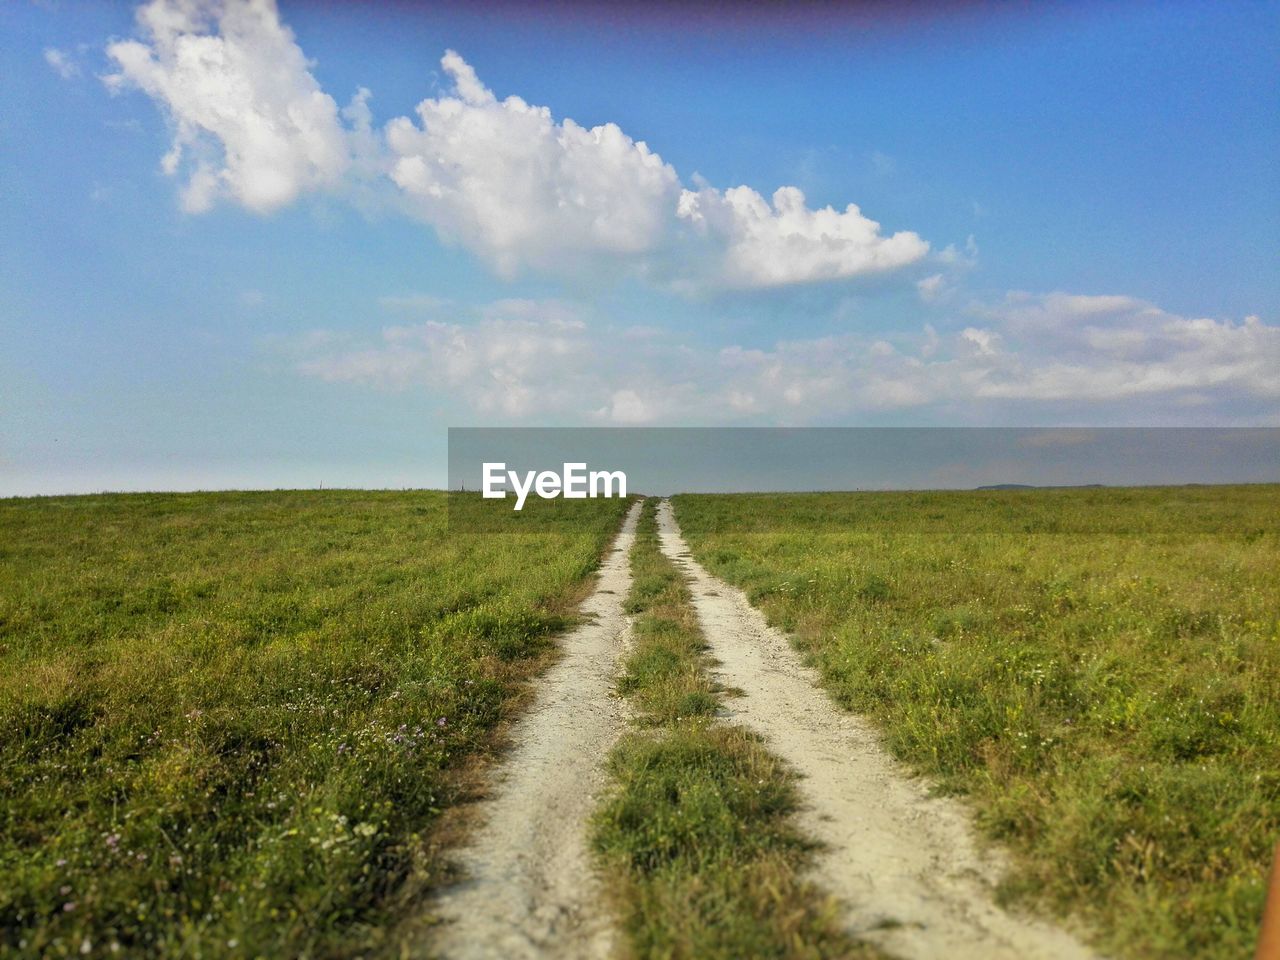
<point>905,865</point>
<point>530,890</point>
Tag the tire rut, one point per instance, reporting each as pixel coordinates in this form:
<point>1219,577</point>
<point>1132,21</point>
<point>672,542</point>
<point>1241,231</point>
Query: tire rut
<point>905,865</point>
<point>530,890</point>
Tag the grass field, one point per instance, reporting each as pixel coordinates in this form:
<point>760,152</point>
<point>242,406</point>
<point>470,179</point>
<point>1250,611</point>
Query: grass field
<point>226,720</point>
<point>696,835</point>
<point>1099,670</point>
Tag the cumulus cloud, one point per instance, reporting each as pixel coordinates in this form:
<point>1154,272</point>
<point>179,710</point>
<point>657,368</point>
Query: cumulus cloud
<point>1101,348</point>
<point>535,361</point>
<point>249,120</point>
<point>501,177</point>
<point>508,181</point>
<point>787,242</point>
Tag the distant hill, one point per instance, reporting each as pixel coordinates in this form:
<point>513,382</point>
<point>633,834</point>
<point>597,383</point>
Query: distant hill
<point>1035,486</point>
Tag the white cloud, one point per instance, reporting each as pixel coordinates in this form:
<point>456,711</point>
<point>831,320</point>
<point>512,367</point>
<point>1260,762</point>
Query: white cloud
<point>249,120</point>
<point>626,407</point>
<point>1045,313</point>
<point>512,360</point>
<point>979,341</point>
<point>1113,348</point>
<point>500,177</point>
<point>509,182</point>
<point>962,258</point>
<point>62,63</point>
<point>931,288</point>
<point>527,360</point>
<point>788,242</point>
<point>1163,360</point>
<point>517,357</point>
<point>882,164</point>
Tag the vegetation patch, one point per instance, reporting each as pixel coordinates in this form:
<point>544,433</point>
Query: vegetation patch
<point>696,836</point>
<point>1108,697</point>
<point>228,720</point>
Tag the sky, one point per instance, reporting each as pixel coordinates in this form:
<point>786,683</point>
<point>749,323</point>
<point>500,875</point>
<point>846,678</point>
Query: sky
<point>250,245</point>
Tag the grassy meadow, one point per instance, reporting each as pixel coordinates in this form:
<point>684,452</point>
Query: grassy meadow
<point>228,720</point>
<point>695,835</point>
<point>1097,669</point>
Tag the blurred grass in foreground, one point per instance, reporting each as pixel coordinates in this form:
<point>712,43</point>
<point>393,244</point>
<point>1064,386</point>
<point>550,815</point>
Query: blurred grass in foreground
<point>226,719</point>
<point>1110,700</point>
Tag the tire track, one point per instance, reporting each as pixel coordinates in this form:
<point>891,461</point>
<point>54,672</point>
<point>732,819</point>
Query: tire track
<point>904,864</point>
<point>529,889</point>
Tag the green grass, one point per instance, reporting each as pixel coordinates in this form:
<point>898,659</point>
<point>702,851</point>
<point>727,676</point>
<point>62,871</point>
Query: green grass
<point>228,720</point>
<point>1108,698</point>
<point>696,835</point>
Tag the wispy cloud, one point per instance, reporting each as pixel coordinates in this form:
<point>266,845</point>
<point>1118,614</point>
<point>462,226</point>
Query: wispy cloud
<point>514,359</point>
<point>931,288</point>
<point>413,303</point>
<point>533,360</point>
<point>62,63</point>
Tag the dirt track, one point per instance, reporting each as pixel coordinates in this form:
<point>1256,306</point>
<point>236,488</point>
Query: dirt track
<point>530,890</point>
<point>904,864</point>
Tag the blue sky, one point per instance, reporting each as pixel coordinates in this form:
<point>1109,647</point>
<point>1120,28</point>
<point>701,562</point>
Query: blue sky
<point>1077,215</point>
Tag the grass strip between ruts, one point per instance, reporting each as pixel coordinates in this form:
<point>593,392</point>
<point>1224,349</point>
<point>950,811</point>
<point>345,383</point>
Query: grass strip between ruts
<point>696,835</point>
